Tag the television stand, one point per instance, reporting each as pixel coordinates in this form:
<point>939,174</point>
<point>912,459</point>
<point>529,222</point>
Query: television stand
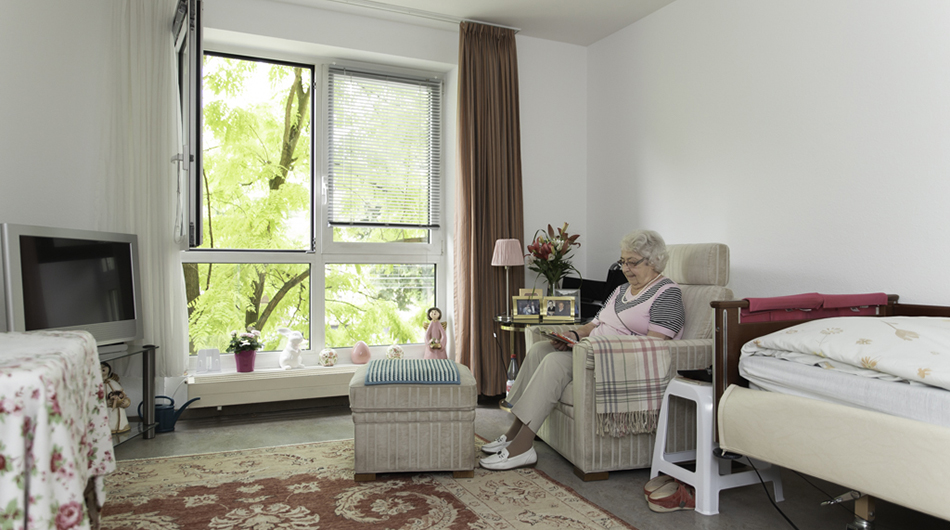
<point>146,425</point>
<point>121,347</point>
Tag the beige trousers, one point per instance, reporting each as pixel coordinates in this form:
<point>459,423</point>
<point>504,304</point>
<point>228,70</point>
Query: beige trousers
<point>543,377</point>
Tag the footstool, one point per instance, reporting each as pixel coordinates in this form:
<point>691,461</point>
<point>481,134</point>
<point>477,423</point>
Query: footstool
<point>412,427</point>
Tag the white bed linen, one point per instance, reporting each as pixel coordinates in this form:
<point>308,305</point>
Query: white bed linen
<point>917,402</point>
<point>914,349</point>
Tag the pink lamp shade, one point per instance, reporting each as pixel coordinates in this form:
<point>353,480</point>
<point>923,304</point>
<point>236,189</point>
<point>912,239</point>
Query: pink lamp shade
<point>508,253</point>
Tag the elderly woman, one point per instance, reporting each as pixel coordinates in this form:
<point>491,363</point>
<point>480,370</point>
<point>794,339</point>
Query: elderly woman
<point>649,304</point>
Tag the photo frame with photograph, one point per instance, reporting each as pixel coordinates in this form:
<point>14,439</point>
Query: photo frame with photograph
<point>574,293</point>
<point>559,308</point>
<point>532,293</point>
<point>526,307</point>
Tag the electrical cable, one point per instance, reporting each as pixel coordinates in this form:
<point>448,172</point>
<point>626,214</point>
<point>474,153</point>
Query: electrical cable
<point>179,386</point>
<point>830,497</point>
<point>827,495</point>
<point>767,494</point>
<point>501,351</point>
<point>809,482</point>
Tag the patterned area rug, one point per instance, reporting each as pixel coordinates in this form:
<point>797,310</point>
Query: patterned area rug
<point>311,486</point>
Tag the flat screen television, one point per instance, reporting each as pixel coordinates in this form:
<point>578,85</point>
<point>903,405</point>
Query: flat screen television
<point>60,278</point>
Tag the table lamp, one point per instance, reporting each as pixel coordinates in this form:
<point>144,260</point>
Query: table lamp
<point>508,253</point>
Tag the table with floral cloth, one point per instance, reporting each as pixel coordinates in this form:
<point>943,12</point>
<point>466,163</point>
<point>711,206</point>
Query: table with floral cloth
<point>54,430</point>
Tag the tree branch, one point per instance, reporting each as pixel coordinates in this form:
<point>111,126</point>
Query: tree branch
<point>251,313</point>
<point>292,128</point>
<point>281,293</point>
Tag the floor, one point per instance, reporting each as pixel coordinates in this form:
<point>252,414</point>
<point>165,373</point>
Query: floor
<point>740,508</point>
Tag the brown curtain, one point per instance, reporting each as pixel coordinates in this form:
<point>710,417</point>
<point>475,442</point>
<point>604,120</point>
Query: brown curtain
<point>489,198</point>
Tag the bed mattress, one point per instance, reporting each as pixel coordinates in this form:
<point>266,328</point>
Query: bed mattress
<point>912,401</point>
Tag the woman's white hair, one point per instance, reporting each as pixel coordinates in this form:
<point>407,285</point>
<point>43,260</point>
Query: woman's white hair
<point>648,244</point>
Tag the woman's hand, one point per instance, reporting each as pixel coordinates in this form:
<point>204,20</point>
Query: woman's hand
<point>578,334</point>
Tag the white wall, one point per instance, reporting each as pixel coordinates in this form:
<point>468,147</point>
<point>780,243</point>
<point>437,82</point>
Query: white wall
<point>553,111</point>
<point>813,137</point>
<point>554,142</point>
<point>310,31</point>
<point>53,110</point>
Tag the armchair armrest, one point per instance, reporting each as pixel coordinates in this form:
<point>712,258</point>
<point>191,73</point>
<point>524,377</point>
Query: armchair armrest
<point>571,431</point>
<point>689,354</point>
<point>532,334</point>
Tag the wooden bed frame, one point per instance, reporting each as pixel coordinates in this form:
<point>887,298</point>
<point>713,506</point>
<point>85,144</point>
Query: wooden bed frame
<point>731,333</point>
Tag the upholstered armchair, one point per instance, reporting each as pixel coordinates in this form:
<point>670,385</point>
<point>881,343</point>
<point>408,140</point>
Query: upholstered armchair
<point>702,271</point>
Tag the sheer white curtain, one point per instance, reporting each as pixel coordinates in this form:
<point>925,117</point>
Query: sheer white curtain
<point>141,183</point>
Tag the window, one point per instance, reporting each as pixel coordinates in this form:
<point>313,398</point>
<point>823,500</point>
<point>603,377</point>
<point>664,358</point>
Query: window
<point>367,237</point>
<point>392,296</point>
<point>383,162</point>
<point>256,145</point>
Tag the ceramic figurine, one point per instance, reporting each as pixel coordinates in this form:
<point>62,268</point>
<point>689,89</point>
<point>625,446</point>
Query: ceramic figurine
<point>435,336</point>
<point>116,400</point>
<point>291,357</point>
<point>394,352</point>
<point>360,353</point>
<point>327,357</point>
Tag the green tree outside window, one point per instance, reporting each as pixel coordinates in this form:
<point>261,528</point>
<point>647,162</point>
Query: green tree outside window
<point>258,198</point>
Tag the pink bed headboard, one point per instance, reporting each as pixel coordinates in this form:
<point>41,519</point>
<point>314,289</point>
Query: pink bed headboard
<point>811,306</point>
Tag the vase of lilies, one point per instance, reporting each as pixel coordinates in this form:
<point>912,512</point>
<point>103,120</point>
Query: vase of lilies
<point>550,255</point>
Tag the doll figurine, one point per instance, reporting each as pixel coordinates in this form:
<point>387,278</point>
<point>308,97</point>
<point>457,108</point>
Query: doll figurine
<point>116,400</point>
<point>435,336</point>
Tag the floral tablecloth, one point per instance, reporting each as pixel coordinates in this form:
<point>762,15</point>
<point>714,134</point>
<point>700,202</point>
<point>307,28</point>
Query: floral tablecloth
<point>54,430</point>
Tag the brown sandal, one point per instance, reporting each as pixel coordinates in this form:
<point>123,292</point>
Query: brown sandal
<point>656,483</point>
<point>672,497</point>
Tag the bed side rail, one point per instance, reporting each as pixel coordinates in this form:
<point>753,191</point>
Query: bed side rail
<point>732,331</point>
<point>914,310</point>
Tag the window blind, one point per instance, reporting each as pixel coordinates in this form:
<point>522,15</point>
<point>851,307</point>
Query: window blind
<point>385,150</point>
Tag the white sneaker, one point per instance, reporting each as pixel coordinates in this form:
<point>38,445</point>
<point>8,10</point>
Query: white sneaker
<point>502,461</point>
<point>493,447</point>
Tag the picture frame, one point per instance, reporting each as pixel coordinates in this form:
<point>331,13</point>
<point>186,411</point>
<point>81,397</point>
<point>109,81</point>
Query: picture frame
<point>559,308</point>
<point>574,293</point>
<point>526,307</point>
<point>531,293</point>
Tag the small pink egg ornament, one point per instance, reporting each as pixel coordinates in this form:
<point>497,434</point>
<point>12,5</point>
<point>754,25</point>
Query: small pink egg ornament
<point>360,353</point>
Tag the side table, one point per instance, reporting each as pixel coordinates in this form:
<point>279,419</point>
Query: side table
<point>513,326</point>
<point>146,425</point>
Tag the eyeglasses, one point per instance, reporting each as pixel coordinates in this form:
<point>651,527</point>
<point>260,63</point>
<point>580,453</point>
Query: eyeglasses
<point>630,263</point>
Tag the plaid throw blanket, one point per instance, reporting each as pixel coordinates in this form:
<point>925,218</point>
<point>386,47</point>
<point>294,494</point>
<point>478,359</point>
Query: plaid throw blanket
<point>413,371</point>
<point>630,376</point>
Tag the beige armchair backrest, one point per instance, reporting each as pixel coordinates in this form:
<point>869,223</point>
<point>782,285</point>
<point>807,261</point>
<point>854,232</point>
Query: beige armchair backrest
<point>702,271</point>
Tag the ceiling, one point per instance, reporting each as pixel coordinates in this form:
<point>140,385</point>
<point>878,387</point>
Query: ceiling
<point>581,22</point>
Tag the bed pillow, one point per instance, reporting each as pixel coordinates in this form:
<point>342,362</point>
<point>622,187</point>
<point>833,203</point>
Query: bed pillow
<point>912,349</point>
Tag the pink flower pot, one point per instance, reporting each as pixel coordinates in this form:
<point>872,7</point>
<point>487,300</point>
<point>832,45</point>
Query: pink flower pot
<point>245,360</point>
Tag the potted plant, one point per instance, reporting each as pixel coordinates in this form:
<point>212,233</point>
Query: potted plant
<point>244,346</point>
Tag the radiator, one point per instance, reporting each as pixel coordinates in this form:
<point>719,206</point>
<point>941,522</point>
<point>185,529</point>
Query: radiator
<point>216,390</point>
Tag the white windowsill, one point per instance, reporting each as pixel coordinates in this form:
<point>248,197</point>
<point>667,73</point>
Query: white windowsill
<point>268,363</point>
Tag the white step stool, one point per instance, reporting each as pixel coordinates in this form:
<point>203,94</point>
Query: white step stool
<point>712,474</point>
